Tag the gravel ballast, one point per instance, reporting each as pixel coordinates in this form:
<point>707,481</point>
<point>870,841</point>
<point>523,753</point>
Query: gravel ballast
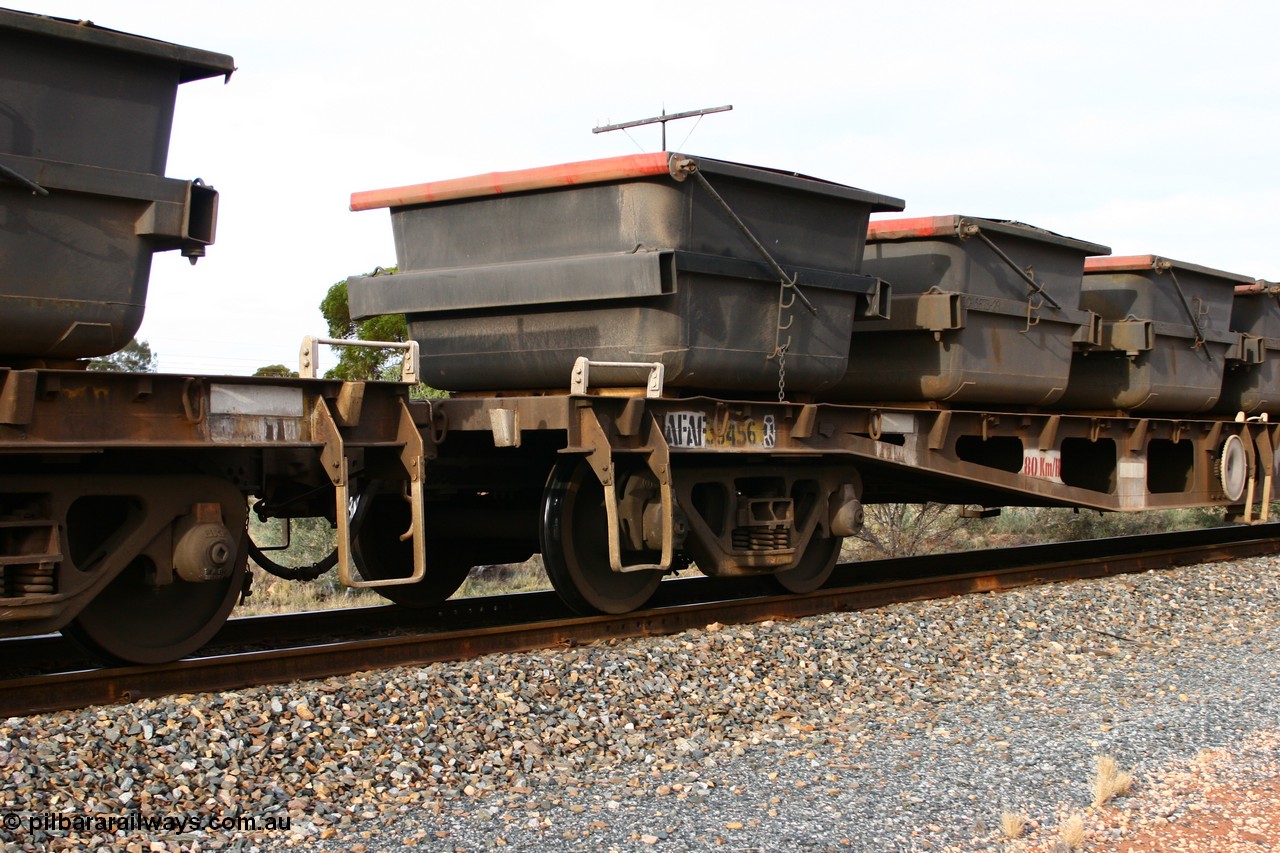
<point>910,727</point>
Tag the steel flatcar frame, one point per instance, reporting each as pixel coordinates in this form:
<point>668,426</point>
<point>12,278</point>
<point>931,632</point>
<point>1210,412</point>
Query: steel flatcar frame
<point>106,476</point>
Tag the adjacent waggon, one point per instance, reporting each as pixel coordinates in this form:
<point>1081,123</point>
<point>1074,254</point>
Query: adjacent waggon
<point>656,361</point>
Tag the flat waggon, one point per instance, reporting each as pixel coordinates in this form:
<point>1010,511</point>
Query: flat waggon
<point>657,361</point>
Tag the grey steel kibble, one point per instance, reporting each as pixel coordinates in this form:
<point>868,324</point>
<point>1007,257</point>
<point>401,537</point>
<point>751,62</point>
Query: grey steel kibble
<point>911,727</point>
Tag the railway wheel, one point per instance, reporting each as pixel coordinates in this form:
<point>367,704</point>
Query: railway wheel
<point>380,554</point>
<point>814,568</point>
<point>135,622</point>
<point>575,546</point>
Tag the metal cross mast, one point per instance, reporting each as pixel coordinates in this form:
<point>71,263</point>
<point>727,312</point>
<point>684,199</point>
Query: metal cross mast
<point>662,119</point>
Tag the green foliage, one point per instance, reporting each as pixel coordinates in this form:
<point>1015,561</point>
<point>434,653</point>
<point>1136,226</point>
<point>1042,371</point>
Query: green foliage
<point>356,363</point>
<point>310,540</point>
<point>897,530</point>
<point>905,530</point>
<point>363,363</point>
<point>426,392</point>
<point>135,357</point>
<point>276,370</point>
<point>1047,524</point>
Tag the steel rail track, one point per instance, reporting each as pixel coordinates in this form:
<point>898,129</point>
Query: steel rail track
<point>472,627</point>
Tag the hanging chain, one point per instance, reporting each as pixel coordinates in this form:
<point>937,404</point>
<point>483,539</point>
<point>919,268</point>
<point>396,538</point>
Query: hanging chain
<point>782,376</point>
<point>786,300</point>
<point>1162,266</point>
<point>788,290</point>
<point>780,347</point>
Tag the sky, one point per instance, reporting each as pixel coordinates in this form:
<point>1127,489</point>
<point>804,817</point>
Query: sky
<point>1150,127</point>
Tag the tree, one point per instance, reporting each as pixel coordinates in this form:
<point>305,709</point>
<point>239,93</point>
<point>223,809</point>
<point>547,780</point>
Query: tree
<point>276,370</point>
<point>355,363</point>
<point>905,530</point>
<point>135,357</point>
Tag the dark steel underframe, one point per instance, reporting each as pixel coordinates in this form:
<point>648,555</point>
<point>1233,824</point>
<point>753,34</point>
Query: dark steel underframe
<point>482,463</point>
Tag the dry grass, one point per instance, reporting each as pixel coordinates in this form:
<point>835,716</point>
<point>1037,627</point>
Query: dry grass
<point>311,539</point>
<point>528,576</point>
<point>273,595</point>
<point>1109,781</point>
<point>1012,824</point>
<point>1071,831</point>
<point>1036,525</point>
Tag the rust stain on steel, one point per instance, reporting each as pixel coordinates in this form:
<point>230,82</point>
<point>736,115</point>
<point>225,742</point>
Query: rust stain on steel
<point>254,429</point>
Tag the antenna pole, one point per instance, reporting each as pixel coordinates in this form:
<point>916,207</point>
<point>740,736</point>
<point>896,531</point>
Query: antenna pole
<point>661,119</point>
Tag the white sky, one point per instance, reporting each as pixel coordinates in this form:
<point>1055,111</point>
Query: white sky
<point>1150,127</point>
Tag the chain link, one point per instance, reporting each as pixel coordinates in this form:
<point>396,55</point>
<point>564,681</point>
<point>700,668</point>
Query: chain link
<point>782,324</point>
<point>782,376</point>
<point>788,290</point>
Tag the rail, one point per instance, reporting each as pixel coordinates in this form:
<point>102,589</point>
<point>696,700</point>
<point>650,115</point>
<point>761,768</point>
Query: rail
<point>506,624</point>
